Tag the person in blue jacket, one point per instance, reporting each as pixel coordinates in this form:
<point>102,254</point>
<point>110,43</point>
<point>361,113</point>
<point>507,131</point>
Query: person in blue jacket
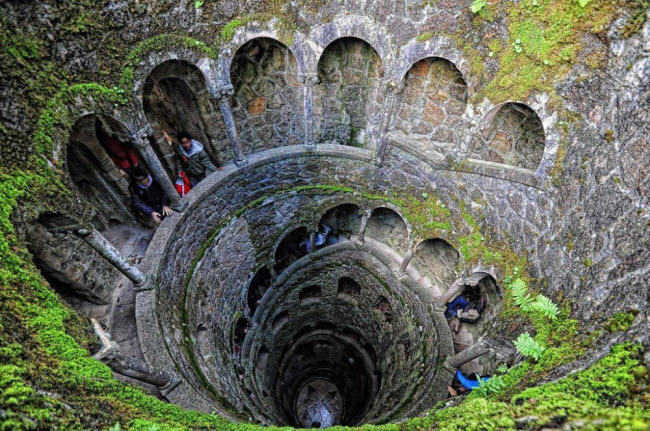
<point>147,196</point>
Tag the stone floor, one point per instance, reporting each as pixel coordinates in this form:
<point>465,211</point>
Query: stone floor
<point>119,318</point>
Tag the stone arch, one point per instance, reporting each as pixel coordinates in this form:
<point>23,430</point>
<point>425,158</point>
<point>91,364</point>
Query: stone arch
<point>176,99</point>
<point>383,308</point>
<point>348,287</point>
<point>512,134</point>
<point>239,333</point>
<point>436,47</point>
<point>309,294</point>
<point>430,106</point>
<point>73,269</point>
<point>344,221</point>
<point>361,27</point>
<point>97,177</point>
<point>280,319</point>
<point>436,259</point>
<point>469,333</point>
<point>257,287</point>
<point>290,249</point>
<point>348,98</point>
<point>387,226</point>
<point>299,47</point>
<point>268,96</point>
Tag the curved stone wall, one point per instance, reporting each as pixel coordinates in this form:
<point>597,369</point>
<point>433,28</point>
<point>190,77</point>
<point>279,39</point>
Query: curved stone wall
<point>199,317</point>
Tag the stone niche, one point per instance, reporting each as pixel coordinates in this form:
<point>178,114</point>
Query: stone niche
<point>430,106</point>
<point>268,97</point>
<point>348,97</point>
<point>176,99</point>
<point>514,136</point>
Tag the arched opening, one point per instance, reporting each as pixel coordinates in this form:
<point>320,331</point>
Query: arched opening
<point>280,319</point>
<point>78,273</point>
<point>343,221</point>
<point>268,97</point>
<point>291,248</point>
<point>99,156</point>
<point>383,310</point>
<point>431,104</point>
<point>309,293</point>
<point>348,98</point>
<point>385,225</point>
<point>348,288</point>
<point>470,311</point>
<point>436,259</point>
<point>176,100</point>
<point>514,136</point>
<point>257,287</point>
<point>239,334</point>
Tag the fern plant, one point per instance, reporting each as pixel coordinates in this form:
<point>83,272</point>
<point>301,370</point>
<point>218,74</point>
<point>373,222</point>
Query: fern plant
<point>528,347</point>
<point>490,386</point>
<point>544,305</point>
<point>520,294</point>
<point>478,5</point>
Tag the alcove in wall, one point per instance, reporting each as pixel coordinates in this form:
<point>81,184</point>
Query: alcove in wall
<point>268,101</point>
<point>348,97</point>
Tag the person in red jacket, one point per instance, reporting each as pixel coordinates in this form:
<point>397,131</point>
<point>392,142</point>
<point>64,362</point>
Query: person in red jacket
<point>182,184</point>
<point>122,154</point>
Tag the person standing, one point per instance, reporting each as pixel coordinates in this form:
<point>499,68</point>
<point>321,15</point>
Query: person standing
<point>193,160</point>
<point>122,154</point>
<point>147,196</point>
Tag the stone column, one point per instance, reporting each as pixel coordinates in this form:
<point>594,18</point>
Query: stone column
<point>462,151</point>
<point>157,169</point>
<point>391,91</point>
<point>474,351</point>
<point>308,80</point>
<point>363,226</point>
<point>129,366</point>
<point>406,260</point>
<point>108,251</point>
<point>312,242</point>
<point>223,95</point>
<point>456,287</point>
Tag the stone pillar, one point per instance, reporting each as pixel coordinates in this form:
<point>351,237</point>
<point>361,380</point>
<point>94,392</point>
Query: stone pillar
<point>308,80</point>
<point>406,260</point>
<point>312,242</point>
<point>456,287</point>
<point>157,169</point>
<point>108,251</point>
<point>223,95</point>
<point>129,366</point>
<point>462,151</point>
<point>391,91</point>
<point>363,226</point>
<point>474,351</point>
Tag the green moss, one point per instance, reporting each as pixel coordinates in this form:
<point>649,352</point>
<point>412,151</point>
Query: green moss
<point>424,37</point>
<point>621,321</point>
<point>228,30</point>
<point>161,42</point>
<point>587,262</point>
<point>544,41</point>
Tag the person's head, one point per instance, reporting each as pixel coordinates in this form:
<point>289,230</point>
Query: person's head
<point>185,140</point>
<point>140,176</point>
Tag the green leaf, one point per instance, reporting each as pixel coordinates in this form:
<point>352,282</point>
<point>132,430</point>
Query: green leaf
<point>520,294</point>
<point>528,347</point>
<point>478,5</point>
<point>546,307</point>
<point>583,3</point>
<point>198,4</point>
